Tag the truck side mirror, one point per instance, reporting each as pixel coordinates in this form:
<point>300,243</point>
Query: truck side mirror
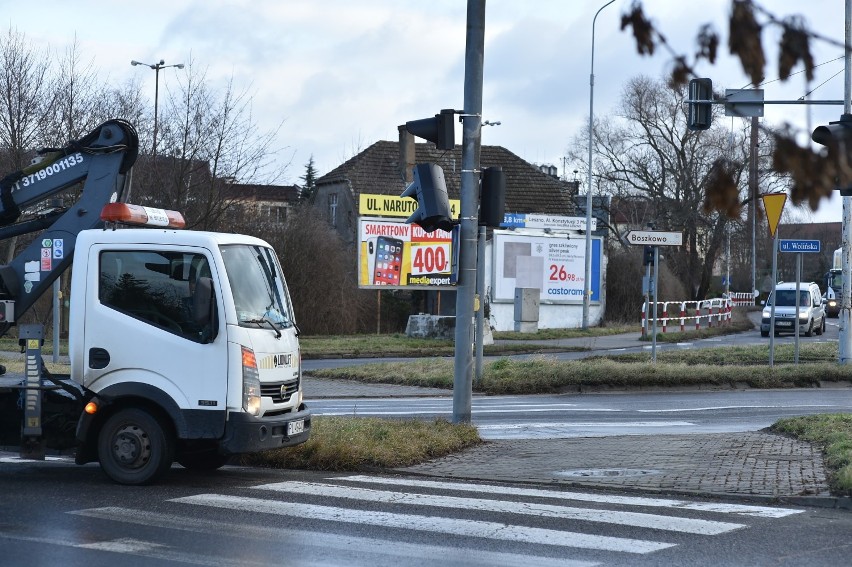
<point>204,307</point>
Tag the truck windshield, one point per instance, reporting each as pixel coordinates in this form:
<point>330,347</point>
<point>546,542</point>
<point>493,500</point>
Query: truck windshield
<point>259,289</point>
<point>835,280</point>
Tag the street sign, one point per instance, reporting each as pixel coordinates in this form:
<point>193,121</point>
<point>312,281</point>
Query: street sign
<point>799,245</point>
<point>655,238</point>
<point>773,203</point>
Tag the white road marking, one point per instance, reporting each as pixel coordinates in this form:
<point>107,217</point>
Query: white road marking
<point>466,528</point>
<point>740,509</point>
<point>716,408</point>
<point>161,554</point>
<point>351,544</point>
<point>447,409</point>
<point>652,521</point>
<point>546,425</point>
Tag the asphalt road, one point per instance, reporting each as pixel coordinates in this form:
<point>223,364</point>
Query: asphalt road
<point>601,415</point>
<point>55,513</point>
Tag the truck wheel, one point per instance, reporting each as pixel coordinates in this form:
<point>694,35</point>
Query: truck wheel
<point>209,460</point>
<point>133,448</point>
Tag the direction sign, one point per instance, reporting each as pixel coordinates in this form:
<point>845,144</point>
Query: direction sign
<point>799,245</point>
<point>655,238</point>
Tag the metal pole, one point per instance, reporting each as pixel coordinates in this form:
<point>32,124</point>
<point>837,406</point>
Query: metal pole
<point>57,300</point>
<point>798,306</point>
<point>752,183</point>
<point>156,104</point>
<point>656,300</point>
<point>772,307</point>
<point>587,285</point>
<point>480,313</point>
<point>471,145</point>
<point>647,302</point>
<point>844,347</point>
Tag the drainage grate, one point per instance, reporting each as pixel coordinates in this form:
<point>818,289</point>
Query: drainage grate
<point>607,473</point>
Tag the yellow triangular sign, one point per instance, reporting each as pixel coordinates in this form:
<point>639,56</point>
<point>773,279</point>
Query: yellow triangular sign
<point>773,204</point>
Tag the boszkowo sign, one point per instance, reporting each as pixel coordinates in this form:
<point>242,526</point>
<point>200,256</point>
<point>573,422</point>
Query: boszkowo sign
<point>655,238</point>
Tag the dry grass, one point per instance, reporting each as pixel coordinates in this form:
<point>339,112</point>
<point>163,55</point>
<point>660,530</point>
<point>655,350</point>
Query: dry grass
<point>366,443</point>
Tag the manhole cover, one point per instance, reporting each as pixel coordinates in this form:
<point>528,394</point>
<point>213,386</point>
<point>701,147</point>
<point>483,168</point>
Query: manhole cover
<point>607,473</point>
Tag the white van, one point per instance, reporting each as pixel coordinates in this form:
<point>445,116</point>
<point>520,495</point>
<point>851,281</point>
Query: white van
<point>811,317</point>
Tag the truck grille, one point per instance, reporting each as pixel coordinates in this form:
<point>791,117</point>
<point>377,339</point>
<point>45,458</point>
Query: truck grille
<point>280,392</point>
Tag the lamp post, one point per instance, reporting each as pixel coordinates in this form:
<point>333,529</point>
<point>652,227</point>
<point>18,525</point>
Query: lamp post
<point>587,285</point>
<point>156,67</point>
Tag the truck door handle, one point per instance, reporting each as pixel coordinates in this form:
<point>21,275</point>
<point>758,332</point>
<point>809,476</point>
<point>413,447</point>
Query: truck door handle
<point>98,358</point>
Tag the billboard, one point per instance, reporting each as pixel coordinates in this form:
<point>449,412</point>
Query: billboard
<point>555,264</point>
<point>404,255</point>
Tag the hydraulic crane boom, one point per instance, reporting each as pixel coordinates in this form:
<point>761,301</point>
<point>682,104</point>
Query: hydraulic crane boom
<point>100,161</point>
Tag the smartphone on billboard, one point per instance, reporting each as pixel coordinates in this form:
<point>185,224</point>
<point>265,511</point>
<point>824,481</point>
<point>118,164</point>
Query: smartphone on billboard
<point>388,265</point>
<point>371,260</point>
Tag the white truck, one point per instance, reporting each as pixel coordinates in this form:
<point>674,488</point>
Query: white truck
<point>183,345</point>
<point>834,285</point>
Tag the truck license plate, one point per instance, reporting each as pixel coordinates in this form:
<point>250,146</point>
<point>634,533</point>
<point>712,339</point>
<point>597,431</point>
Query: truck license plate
<point>295,427</point>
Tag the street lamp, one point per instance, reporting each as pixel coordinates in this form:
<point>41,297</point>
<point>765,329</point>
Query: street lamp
<point>156,67</point>
<point>587,286</point>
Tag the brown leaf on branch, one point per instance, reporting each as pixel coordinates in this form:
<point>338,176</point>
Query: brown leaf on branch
<point>795,47</point>
<point>744,40</point>
<point>814,175</point>
<point>643,31</point>
<point>708,44</point>
<point>722,194</point>
<point>680,73</point>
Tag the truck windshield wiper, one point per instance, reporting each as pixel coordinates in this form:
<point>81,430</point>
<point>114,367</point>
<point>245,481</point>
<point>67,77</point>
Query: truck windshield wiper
<point>264,320</point>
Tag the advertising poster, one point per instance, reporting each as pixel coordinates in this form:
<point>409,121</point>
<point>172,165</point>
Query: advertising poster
<point>404,255</point>
<point>554,264</point>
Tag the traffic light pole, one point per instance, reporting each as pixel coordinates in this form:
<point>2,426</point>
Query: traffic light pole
<point>471,146</point>
<point>844,343</point>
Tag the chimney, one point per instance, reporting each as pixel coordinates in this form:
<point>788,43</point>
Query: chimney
<point>406,154</point>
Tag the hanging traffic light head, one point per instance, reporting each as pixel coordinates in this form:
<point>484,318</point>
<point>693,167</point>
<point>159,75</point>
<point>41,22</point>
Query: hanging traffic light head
<point>440,130</point>
<point>699,110</point>
<point>430,191</point>
<point>837,138</point>
<point>648,256</point>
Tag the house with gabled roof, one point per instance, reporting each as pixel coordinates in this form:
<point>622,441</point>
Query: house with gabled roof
<point>386,168</point>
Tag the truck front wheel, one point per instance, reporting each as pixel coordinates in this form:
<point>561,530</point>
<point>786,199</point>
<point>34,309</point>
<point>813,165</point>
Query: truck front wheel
<point>133,448</point>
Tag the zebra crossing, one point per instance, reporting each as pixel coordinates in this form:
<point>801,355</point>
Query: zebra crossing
<point>334,521</point>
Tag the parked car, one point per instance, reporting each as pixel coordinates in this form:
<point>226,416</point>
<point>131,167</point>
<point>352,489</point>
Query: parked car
<point>811,316</point>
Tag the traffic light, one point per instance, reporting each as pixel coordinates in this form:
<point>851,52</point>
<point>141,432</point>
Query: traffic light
<point>837,137</point>
<point>440,130</point>
<point>492,200</point>
<point>430,191</point>
<point>648,256</point>
<point>700,113</point>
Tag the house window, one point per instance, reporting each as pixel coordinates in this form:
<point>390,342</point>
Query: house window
<point>274,213</point>
<point>332,208</point>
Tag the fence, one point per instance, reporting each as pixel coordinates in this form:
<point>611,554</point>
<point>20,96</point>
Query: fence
<point>739,299</point>
<point>683,314</point>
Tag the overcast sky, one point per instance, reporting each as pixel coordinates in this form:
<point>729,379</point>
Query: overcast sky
<point>342,74</point>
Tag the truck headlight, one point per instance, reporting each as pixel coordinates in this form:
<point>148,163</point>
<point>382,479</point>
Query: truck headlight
<point>251,383</point>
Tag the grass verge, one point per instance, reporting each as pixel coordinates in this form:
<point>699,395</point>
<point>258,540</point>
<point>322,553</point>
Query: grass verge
<point>543,374</point>
<point>832,432</point>
<point>366,443</point>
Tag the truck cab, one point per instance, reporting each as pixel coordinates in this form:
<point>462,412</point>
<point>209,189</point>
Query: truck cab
<point>194,329</point>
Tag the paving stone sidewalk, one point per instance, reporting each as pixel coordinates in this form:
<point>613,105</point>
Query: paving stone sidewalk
<point>755,465</point>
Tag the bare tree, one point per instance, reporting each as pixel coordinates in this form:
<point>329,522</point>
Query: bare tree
<point>208,141</point>
<point>652,165</point>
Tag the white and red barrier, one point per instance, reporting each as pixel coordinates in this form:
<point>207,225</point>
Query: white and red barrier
<point>741,299</point>
<point>707,312</point>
